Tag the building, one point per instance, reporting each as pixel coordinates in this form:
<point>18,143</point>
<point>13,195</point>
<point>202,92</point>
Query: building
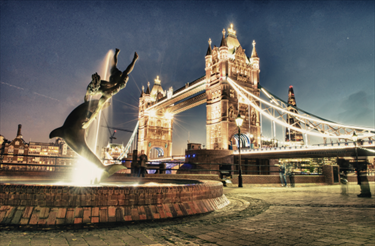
<point>223,102</point>
<point>36,156</point>
<point>194,146</point>
<point>111,153</point>
<point>155,126</point>
<point>293,137</point>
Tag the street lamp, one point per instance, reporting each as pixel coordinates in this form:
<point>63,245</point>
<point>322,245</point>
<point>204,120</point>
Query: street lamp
<point>355,137</point>
<point>239,121</point>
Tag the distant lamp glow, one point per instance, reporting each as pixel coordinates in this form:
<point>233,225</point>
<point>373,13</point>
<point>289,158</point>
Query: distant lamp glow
<point>239,120</point>
<point>168,116</point>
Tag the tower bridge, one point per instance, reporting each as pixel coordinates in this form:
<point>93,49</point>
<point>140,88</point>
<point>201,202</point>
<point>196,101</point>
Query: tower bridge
<point>230,88</point>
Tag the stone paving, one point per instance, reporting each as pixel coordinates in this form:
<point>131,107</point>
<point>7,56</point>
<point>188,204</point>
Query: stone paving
<point>318,215</point>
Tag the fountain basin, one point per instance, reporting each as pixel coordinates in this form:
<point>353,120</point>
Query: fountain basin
<point>43,203</point>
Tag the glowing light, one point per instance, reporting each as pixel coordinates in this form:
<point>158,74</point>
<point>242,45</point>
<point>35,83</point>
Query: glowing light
<point>152,113</point>
<point>85,172</point>
<point>177,94</point>
<point>239,120</point>
<point>157,80</point>
<point>168,116</point>
<point>240,89</point>
<point>231,30</point>
<point>299,148</point>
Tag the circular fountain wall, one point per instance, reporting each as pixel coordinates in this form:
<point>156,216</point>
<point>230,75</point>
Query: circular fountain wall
<point>133,200</point>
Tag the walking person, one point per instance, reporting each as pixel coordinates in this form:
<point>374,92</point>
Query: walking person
<point>361,170</point>
<point>282,172</point>
<point>142,160</point>
<point>291,175</point>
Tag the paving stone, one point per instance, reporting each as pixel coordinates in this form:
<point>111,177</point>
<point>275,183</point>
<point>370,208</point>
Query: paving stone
<point>296,216</point>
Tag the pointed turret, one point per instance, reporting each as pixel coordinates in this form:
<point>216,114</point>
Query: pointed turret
<point>254,52</point>
<point>232,40</point>
<point>223,40</point>
<point>157,91</point>
<point>209,50</point>
<point>254,59</point>
<point>142,92</point>
<point>148,88</point>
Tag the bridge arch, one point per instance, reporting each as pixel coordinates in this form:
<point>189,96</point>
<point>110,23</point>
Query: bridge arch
<point>245,140</point>
<point>156,152</point>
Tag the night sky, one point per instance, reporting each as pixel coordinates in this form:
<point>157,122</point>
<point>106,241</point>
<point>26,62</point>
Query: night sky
<point>50,49</point>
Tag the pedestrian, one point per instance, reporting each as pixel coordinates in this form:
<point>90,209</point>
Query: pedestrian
<point>282,171</point>
<point>142,160</point>
<point>344,182</point>
<point>134,164</point>
<point>361,170</point>
<point>291,175</point>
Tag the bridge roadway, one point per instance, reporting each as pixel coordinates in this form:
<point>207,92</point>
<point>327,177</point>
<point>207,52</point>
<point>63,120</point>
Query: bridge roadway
<point>319,151</point>
<point>181,94</point>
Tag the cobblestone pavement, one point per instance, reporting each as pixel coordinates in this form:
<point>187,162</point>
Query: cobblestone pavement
<point>318,215</point>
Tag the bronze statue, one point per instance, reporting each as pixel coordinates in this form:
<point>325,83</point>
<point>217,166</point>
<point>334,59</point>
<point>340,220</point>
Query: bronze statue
<point>74,129</point>
<point>117,81</point>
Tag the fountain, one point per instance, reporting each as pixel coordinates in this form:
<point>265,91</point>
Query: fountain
<point>109,198</point>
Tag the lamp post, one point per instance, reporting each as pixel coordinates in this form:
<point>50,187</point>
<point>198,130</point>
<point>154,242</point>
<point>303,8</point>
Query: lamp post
<point>239,121</point>
<point>355,137</point>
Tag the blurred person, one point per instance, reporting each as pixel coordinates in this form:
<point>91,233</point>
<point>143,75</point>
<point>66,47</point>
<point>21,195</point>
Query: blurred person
<point>142,168</point>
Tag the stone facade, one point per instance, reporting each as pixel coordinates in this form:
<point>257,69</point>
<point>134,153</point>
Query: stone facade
<point>223,103</point>
<point>155,126</point>
<point>36,156</point>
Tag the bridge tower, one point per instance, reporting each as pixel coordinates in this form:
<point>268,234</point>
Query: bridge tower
<point>155,126</point>
<point>292,136</point>
<point>223,103</point>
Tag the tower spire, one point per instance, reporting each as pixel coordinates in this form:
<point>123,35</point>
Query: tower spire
<point>157,80</point>
<point>292,135</point>
<point>148,88</point>
<point>19,134</point>
<point>254,52</point>
<point>209,50</point>
<point>143,90</point>
<point>291,97</point>
<point>223,40</point>
<point>231,31</point>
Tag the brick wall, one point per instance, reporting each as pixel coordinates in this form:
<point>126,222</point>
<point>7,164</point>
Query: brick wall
<point>51,205</point>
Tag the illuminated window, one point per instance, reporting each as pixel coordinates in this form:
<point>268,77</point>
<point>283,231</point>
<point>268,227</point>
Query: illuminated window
<point>11,149</point>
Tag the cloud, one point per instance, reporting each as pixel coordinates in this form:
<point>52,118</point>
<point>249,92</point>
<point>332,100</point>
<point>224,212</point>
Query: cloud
<point>358,109</point>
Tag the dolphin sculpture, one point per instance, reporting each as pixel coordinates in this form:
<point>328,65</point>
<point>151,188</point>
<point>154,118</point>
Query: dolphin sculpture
<point>75,136</point>
<point>74,129</point>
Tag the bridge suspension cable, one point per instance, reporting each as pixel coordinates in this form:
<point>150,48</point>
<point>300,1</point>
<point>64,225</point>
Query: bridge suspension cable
<point>310,124</point>
<point>124,154</point>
